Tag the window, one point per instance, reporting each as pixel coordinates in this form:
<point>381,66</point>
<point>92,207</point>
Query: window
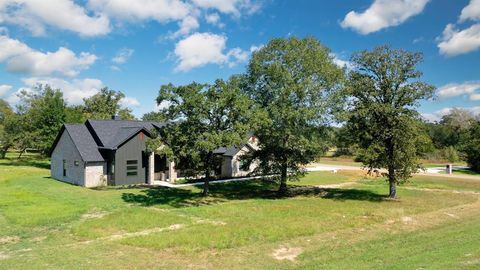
<point>76,163</point>
<point>64,167</point>
<point>132,167</point>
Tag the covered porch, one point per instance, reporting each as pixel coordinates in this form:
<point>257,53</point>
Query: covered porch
<point>160,169</point>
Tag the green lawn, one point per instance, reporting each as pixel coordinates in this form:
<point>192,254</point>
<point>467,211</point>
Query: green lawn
<point>46,224</point>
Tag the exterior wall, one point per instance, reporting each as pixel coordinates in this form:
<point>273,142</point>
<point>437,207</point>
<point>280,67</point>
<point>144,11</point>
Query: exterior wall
<point>132,150</point>
<point>231,165</point>
<point>96,174</point>
<point>66,150</point>
<point>227,166</point>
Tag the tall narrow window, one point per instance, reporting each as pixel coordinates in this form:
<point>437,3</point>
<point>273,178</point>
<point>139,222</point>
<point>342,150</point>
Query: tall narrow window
<point>132,167</point>
<point>64,167</point>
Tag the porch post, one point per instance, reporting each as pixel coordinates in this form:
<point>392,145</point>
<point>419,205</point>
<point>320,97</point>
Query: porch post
<point>172,173</point>
<point>151,168</point>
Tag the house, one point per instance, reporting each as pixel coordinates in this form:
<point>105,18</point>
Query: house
<point>231,158</point>
<point>113,152</point>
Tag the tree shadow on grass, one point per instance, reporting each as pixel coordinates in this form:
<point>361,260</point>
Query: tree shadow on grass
<point>29,162</point>
<point>244,190</point>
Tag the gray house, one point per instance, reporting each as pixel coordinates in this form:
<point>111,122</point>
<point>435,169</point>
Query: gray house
<point>113,152</point>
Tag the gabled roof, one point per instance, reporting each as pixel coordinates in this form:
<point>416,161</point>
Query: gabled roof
<point>231,151</point>
<point>83,141</point>
<point>112,133</point>
<point>88,138</point>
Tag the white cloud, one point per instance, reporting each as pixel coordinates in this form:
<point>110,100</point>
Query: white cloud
<point>200,49</point>
<point>471,11</point>
<point>20,58</point>
<point>158,10</point>
<point>382,14</point>
<point>234,7</point>
<point>35,15</point>
<point>4,88</point>
<point>454,42</point>
<point>122,55</point>
<point>14,98</point>
<point>212,18</point>
<point>129,102</point>
<point>458,89</point>
<point>340,62</point>
<point>437,115</point>
<point>187,25</point>
<point>74,91</point>
<point>475,97</point>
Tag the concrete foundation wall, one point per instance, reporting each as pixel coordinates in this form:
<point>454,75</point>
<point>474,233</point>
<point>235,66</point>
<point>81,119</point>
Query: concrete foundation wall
<point>75,167</point>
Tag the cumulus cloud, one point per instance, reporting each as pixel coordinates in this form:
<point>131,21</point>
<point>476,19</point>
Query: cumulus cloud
<point>437,115</point>
<point>213,18</point>
<point>475,97</point>
<point>158,10</point>
<point>122,55</point>
<point>471,11</point>
<point>382,14</point>
<point>129,102</point>
<point>186,26</point>
<point>200,49</point>
<point>74,91</point>
<point>20,58</point>
<point>36,15</point>
<point>458,89</point>
<point>234,7</point>
<point>337,60</point>
<point>4,88</point>
<point>455,42</point>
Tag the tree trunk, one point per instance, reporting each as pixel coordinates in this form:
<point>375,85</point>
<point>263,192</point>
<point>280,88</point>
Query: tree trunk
<point>283,180</point>
<point>391,181</point>
<point>21,153</point>
<point>3,152</point>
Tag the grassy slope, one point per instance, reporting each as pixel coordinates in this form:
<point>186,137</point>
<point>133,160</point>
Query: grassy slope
<point>48,224</point>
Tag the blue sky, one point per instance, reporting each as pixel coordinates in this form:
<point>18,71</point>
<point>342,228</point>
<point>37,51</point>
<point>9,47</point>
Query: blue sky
<point>136,46</point>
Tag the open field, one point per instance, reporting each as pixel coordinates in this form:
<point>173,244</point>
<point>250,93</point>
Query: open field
<point>334,221</point>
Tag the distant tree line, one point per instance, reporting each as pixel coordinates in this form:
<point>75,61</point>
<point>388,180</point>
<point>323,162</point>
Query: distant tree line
<point>35,121</point>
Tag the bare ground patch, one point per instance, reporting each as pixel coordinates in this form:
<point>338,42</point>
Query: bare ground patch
<point>94,214</point>
<point>287,253</point>
<point>9,240</point>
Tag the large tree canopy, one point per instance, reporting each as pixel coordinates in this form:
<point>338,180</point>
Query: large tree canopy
<point>41,115</point>
<point>384,89</point>
<point>203,118</point>
<point>293,81</point>
<point>471,146</point>
<point>106,104</point>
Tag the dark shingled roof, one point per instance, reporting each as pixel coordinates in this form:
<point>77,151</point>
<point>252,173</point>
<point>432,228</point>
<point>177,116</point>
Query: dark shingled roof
<point>230,151</point>
<point>112,133</point>
<point>84,142</point>
<point>103,134</point>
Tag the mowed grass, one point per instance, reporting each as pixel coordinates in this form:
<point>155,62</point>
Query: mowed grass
<point>332,221</point>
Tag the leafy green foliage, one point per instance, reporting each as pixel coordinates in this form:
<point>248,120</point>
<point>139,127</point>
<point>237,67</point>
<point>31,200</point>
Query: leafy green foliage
<point>6,113</point>
<point>294,83</point>
<point>41,115</point>
<point>203,118</point>
<point>384,90</point>
<point>106,104</point>
<point>472,146</point>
